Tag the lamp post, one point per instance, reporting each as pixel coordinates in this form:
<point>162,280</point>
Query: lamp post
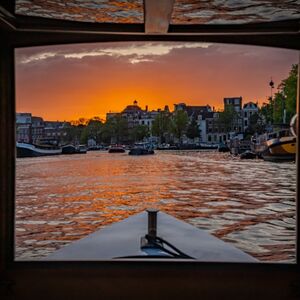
<point>283,108</point>
<point>271,84</point>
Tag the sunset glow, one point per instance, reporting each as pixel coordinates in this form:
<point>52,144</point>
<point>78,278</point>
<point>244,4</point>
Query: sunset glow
<point>72,81</point>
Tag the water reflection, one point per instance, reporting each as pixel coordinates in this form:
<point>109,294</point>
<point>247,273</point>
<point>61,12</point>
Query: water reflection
<point>248,203</point>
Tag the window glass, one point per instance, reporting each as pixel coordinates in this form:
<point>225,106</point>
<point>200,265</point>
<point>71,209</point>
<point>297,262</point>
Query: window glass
<point>81,109</point>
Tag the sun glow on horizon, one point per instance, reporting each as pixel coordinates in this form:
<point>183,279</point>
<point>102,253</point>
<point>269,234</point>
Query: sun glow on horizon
<point>68,82</point>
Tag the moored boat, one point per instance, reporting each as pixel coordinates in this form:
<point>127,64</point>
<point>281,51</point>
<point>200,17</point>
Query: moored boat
<point>141,149</point>
<point>279,145</point>
<point>68,149</point>
<point>223,148</point>
<point>167,147</point>
<point>30,150</point>
<point>81,149</point>
<point>275,146</point>
<point>208,146</point>
<point>238,146</point>
<point>116,149</point>
<point>248,155</point>
<point>280,149</point>
<point>71,149</point>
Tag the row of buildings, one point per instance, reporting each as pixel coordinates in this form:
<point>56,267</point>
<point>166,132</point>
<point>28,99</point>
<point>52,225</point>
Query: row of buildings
<point>207,118</point>
<point>34,130</point>
<point>31,129</point>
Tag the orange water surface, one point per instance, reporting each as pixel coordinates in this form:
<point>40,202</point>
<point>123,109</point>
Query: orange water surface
<point>249,203</point>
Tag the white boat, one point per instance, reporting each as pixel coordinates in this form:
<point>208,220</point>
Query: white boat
<point>29,150</point>
<point>156,236</point>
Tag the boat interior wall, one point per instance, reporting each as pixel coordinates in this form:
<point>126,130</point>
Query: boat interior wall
<point>115,279</point>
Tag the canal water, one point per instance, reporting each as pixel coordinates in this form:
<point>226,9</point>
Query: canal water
<point>248,203</point>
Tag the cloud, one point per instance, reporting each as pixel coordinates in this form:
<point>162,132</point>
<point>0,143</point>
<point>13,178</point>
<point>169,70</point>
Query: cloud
<point>134,53</point>
<point>37,57</point>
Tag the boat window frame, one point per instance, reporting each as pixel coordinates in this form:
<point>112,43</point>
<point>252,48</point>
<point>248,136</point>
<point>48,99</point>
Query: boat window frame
<point>197,278</point>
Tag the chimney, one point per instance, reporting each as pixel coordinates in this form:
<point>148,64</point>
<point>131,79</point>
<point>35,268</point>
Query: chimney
<point>146,109</point>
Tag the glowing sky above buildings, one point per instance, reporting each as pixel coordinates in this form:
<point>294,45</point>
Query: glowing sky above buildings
<point>86,80</point>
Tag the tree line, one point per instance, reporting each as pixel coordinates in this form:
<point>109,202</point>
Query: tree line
<point>165,126</point>
<point>113,130</point>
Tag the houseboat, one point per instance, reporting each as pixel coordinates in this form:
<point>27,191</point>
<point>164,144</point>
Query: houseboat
<point>30,150</point>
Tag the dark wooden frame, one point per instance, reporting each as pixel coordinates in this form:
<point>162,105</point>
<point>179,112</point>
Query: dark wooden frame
<point>125,279</point>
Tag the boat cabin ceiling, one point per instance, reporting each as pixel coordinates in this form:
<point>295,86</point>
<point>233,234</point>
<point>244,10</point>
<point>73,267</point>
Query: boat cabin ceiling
<point>266,22</point>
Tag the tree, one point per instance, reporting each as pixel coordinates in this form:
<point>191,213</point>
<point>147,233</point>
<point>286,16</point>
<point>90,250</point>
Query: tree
<point>193,130</point>
<point>161,125</point>
<point>267,112</point>
<point>179,123</point>
<point>256,124</point>
<point>278,108</point>
<point>288,91</point>
<point>227,119</point>
<point>73,133</point>
<point>94,129</point>
<point>284,99</point>
<point>91,131</point>
<point>80,121</point>
<point>139,132</point>
<point>116,128</point>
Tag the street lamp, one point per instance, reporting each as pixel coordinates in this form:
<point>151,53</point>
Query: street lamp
<point>283,107</point>
<point>271,84</point>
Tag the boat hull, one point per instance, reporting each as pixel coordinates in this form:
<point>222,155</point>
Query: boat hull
<point>122,240</point>
<point>28,150</point>
<point>116,150</point>
<point>69,149</point>
<point>140,152</point>
<point>281,149</point>
<point>248,155</point>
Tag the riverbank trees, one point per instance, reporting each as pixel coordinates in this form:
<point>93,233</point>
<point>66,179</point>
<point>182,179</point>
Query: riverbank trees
<point>161,126</point>
<point>282,107</point>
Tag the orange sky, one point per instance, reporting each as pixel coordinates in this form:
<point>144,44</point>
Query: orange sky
<point>73,81</point>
